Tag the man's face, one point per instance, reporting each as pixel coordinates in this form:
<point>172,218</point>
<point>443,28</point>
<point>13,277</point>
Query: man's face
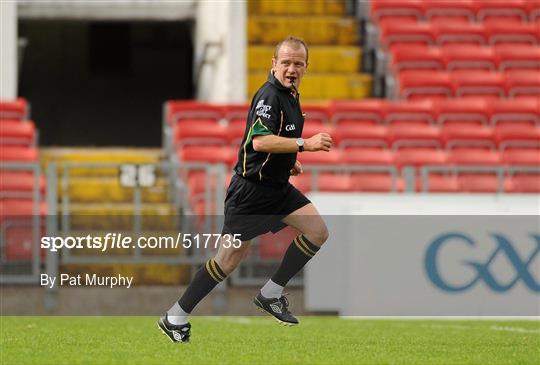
<point>290,65</point>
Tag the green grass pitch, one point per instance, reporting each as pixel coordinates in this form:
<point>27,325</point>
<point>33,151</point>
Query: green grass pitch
<point>260,340</point>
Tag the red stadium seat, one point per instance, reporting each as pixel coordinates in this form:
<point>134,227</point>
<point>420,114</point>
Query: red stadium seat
<point>301,183</point>
<point>17,208</point>
<point>18,243</point>
<point>367,156</point>
<point>420,156</point>
<point>328,182</point>
<point>458,112</point>
<point>333,183</point>
<point>439,183</point>
<point>478,83</point>
<point>517,136</point>
<point>468,135</point>
<point>333,157</point>
<point>236,113</point>
<point>361,135</point>
<point>235,133</point>
<point>356,112</point>
<point>473,156</point>
<point>523,111</point>
<point>517,57</point>
<point>19,183</point>
<point>18,154</point>
<point>524,183</point>
<point>521,83</point>
<point>407,57</point>
<point>17,132</point>
<point>209,154</point>
<point>201,134</point>
<point>201,209</point>
<point>424,84</point>
<point>408,32</point>
<point>469,57</point>
<point>414,136</point>
<point>478,183</point>
<point>408,113</point>
<point>14,109</point>
<point>533,9</point>
<point>522,156</point>
<point>315,114</point>
<point>375,182</point>
<point>310,130</point>
<point>176,110</point>
<point>197,181</point>
<point>459,33</point>
<point>396,9</point>
<point>444,10</point>
<point>512,33</point>
<point>502,10</point>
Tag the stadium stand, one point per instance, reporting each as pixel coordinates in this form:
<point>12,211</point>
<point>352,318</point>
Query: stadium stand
<point>449,133</point>
<point>463,116</point>
<point>333,36</point>
<point>22,187</point>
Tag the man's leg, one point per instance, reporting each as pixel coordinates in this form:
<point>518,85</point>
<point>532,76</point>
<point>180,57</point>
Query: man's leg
<point>207,277</point>
<point>314,233</point>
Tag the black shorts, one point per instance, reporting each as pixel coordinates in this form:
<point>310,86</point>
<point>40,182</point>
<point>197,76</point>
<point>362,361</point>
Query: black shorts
<point>252,209</point>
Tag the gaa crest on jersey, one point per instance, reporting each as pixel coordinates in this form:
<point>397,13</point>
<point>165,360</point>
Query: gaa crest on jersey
<point>262,110</point>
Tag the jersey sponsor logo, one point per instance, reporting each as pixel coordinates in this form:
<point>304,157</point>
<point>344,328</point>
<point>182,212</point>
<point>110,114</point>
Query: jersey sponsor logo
<point>290,127</point>
<point>262,110</point>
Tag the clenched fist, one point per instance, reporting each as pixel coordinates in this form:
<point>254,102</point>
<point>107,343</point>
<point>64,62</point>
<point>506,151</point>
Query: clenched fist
<point>319,142</point>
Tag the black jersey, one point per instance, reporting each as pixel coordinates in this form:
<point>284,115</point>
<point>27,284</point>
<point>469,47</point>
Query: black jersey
<point>273,110</point>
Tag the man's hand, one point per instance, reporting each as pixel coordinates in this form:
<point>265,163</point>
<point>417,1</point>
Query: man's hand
<point>297,169</point>
<point>319,142</point>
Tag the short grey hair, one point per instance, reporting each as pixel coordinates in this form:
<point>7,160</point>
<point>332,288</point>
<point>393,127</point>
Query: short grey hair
<point>295,42</point>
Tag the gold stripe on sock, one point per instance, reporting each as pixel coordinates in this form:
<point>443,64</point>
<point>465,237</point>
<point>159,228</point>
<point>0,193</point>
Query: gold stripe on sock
<point>213,265</point>
<point>301,248</point>
<point>210,271</point>
<point>301,240</point>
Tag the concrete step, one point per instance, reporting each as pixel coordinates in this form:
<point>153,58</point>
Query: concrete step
<point>97,155</point>
<point>296,7</point>
<point>322,59</point>
<point>323,86</point>
<point>317,30</point>
<point>94,189</point>
<point>119,216</point>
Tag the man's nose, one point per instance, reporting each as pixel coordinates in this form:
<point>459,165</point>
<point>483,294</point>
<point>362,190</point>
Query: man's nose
<point>291,68</point>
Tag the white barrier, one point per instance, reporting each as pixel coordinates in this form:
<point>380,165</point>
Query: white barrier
<point>427,255</point>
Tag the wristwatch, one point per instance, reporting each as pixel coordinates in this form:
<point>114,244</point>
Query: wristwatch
<point>300,144</point>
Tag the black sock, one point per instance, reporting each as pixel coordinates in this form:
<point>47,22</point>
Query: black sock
<point>203,282</point>
<point>298,254</point>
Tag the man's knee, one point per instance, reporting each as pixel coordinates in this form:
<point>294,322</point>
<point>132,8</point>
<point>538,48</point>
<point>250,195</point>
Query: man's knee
<point>229,259</point>
<point>318,236</point>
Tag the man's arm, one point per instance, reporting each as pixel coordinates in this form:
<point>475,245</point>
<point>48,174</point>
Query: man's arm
<point>276,144</point>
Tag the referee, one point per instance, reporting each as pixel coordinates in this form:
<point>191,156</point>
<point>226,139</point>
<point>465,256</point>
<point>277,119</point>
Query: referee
<point>260,198</point>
